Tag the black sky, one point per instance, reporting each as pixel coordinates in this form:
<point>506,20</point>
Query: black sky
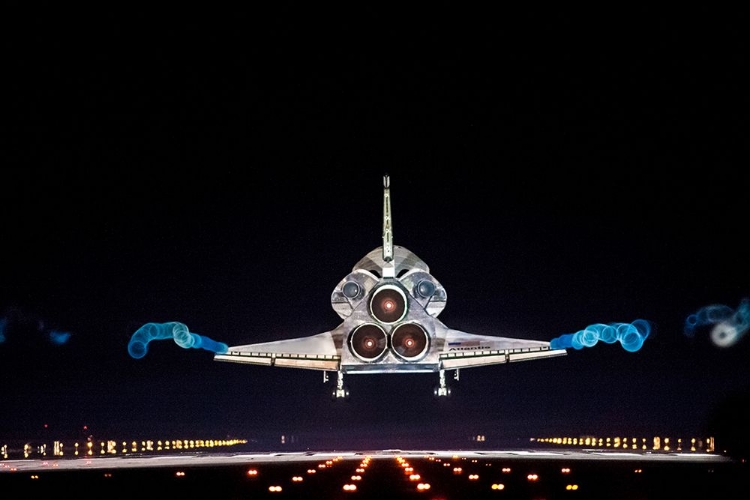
<point>224,170</point>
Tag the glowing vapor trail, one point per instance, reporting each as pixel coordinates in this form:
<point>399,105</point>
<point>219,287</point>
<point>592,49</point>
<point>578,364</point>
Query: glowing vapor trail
<point>138,345</point>
<point>57,337</point>
<point>729,325</point>
<point>19,323</point>
<point>630,335</point>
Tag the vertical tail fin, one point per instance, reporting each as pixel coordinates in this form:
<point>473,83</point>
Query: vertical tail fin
<point>387,228</point>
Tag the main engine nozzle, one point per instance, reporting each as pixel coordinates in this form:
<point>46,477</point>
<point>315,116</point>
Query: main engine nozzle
<point>409,341</point>
<point>368,342</point>
<point>388,304</point>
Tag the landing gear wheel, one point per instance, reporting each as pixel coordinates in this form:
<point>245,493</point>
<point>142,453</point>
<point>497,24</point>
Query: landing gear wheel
<point>340,394</point>
<point>340,391</point>
<point>442,391</point>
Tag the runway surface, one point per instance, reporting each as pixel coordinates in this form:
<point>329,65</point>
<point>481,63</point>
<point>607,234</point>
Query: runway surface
<point>221,459</point>
<point>433,474</point>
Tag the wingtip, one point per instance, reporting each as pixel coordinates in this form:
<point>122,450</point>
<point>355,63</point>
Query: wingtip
<point>386,181</point>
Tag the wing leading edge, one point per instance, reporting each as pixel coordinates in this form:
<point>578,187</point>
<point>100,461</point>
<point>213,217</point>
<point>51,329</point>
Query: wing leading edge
<point>461,350</point>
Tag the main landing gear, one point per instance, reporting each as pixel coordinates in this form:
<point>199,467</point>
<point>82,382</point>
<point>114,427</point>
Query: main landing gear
<point>340,392</point>
<point>443,390</point>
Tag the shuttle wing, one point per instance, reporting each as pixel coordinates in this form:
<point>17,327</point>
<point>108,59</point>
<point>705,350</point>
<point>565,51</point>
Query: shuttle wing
<point>465,350</point>
<point>317,352</point>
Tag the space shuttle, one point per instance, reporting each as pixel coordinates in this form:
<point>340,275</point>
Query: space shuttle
<point>389,304</point>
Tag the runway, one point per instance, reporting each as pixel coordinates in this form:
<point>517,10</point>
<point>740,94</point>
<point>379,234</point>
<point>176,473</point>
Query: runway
<point>433,474</point>
<point>222,459</point>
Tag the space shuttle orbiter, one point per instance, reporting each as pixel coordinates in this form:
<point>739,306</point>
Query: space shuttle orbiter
<point>389,304</point>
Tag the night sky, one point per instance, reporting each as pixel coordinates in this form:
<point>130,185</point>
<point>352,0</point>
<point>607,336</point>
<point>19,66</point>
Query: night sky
<point>224,170</point>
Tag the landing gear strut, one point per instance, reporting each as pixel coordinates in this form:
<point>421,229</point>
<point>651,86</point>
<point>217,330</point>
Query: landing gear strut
<point>340,391</point>
<point>443,389</point>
